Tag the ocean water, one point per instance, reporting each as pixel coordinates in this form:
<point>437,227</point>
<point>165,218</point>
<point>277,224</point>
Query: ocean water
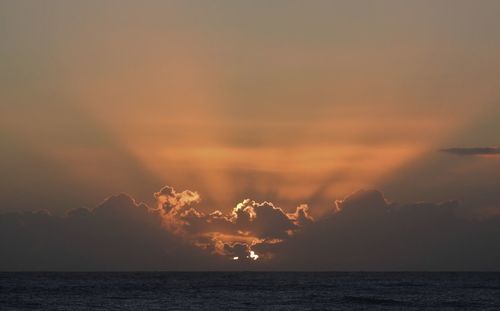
<point>249,291</point>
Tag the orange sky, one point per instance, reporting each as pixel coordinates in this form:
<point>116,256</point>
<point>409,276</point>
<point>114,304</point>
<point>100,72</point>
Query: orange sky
<point>291,104</point>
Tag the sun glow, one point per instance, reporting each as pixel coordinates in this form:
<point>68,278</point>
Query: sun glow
<point>253,255</point>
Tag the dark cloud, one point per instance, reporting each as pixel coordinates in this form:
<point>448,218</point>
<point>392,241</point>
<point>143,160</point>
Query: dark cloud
<point>119,234</point>
<point>238,251</point>
<point>364,231</point>
<point>473,151</point>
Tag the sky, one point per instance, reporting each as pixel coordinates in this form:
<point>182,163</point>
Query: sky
<point>288,134</point>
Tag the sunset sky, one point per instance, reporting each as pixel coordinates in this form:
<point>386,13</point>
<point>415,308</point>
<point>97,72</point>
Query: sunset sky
<point>289,102</point>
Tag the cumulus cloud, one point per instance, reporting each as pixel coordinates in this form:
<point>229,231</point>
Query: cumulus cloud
<point>476,151</point>
<point>364,231</point>
<point>171,201</point>
<point>119,234</point>
<point>249,223</point>
<point>367,232</point>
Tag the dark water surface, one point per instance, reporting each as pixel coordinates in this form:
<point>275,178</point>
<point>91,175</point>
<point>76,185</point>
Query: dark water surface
<point>249,290</point>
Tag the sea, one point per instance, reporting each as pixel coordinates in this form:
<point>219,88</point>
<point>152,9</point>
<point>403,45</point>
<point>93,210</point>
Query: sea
<point>249,291</point>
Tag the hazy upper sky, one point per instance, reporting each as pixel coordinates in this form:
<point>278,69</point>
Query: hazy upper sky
<point>292,102</point>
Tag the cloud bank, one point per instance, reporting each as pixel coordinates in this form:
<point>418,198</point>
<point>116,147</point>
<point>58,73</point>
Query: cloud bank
<point>364,231</point>
<point>119,234</point>
<point>369,233</point>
